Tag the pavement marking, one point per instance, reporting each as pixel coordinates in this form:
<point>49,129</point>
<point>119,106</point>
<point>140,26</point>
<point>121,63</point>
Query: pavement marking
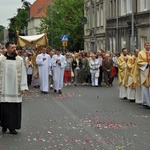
<point>88,129</point>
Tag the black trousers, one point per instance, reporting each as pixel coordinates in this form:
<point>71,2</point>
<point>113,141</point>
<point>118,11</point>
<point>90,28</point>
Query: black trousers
<point>29,79</point>
<point>108,77</point>
<point>10,115</point>
<point>100,75</point>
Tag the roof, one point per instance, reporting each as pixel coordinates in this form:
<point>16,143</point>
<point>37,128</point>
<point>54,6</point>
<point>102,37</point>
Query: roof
<point>38,8</point>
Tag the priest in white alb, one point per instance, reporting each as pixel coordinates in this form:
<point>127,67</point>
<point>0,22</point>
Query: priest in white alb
<point>43,62</point>
<point>58,63</point>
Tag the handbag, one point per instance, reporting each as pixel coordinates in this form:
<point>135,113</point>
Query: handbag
<point>72,74</point>
<point>96,74</point>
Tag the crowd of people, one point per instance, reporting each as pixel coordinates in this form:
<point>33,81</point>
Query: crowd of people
<point>78,68</point>
<point>45,68</point>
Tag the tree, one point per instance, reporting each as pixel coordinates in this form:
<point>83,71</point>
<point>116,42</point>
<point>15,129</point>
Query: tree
<point>1,33</point>
<point>19,22</point>
<point>64,17</point>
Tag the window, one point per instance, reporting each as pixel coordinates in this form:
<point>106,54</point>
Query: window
<point>98,45</point>
<point>123,7</point>
<point>114,7</point>
<point>110,44</point>
<point>93,19</point>
<point>86,15</point>
<point>143,40</point>
<point>129,6</point>
<point>98,18</point>
<point>102,16</point>
<point>87,46</point>
<point>88,19</point>
<point>114,45</point>
<point>123,42</point>
<point>143,5</point>
<point>111,8</point>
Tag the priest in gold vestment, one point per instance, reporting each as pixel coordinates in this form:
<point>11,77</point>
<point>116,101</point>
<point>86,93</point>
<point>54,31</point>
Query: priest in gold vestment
<point>144,65</point>
<point>122,69</point>
<point>128,79</point>
<point>136,79</point>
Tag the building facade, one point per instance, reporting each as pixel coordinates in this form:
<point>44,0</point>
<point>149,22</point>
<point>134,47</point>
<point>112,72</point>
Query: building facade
<point>126,23</point>
<point>37,11</point>
<point>94,30</point>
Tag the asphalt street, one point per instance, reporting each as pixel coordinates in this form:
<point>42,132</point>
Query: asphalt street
<point>82,118</point>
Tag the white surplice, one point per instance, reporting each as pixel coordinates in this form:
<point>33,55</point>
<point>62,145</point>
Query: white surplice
<point>43,67</point>
<point>131,92</point>
<point>146,96</point>
<point>58,71</point>
<point>145,91</point>
<point>138,95</point>
<point>122,88</point>
<point>13,79</point>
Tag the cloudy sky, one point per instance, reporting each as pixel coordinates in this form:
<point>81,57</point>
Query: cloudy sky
<point>8,9</point>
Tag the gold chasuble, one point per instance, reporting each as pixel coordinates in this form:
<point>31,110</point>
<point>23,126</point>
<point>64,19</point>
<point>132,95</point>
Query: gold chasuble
<point>122,69</point>
<point>131,72</point>
<point>136,73</point>
<point>143,60</point>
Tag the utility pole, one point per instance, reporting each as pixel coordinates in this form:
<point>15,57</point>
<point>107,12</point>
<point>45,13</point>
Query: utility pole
<point>117,47</point>
<point>132,34</point>
<point>51,6</point>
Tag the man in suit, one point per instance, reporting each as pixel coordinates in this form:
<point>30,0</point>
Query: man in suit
<point>107,66</point>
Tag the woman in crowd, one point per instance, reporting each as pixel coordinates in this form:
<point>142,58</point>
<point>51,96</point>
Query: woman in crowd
<point>77,68</point>
<point>94,70</point>
<point>67,72</point>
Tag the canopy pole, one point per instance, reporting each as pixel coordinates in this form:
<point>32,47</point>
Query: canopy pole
<point>18,45</point>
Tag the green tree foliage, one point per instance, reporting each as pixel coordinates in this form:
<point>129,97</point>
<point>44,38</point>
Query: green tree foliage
<point>64,17</point>
<point>19,22</point>
<point>1,33</point>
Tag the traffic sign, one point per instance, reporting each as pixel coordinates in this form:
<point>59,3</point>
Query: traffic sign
<point>64,38</point>
<point>64,43</point>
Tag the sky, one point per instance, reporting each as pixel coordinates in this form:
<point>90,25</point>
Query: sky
<point>8,9</point>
